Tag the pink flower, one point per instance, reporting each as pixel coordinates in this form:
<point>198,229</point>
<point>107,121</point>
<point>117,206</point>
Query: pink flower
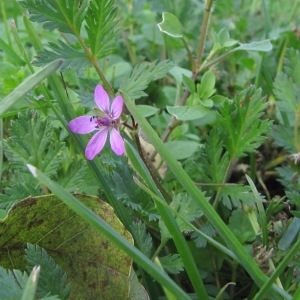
<point>106,123</point>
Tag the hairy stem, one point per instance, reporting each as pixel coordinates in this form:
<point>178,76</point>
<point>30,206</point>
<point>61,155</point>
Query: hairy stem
<point>203,33</point>
<point>152,170</point>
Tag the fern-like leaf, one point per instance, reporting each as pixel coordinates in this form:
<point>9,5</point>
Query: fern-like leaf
<point>239,121</point>
<point>233,196</point>
<point>142,74</point>
<point>187,208</point>
<point>120,176</point>
<point>172,263</point>
<point>215,161</point>
<point>66,16</point>
<point>288,97</point>
<point>292,65</point>
<point>12,283</point>
<point>20,186</point>
<point>101,27</point>
<point>73,179</point>
<point>142,239</point>
<point>284,137</point>
<point>52,279</point>
<point>31,142</point>
<point>73,59</point>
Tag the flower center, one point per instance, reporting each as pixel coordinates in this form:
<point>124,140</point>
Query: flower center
<point>106,121</point>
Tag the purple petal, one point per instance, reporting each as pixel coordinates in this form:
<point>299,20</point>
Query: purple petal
<point>116,107</point>
<point>96,144</point>
<point>101,98</point>
<point>83,124</point>
<point>117,142</point>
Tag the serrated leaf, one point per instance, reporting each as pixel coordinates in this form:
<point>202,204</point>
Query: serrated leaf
<point>31,142</point>
<point>19,187</point>
<point>101,27</point>
<point>287,89</point>
<point>170,25</point>
<point>292,65</point>
<point>239,121</point>
<point>188,113</point>
<point>12,283</point>
<point>73,179</point>
<point>284,137</point>
<point>96,267</point>
<point>66,16</point>
<point>287,94</point>
<point>142,239</point>
<point>233,196</point>
<point>120,176</point>
<point>187,208</point>
<point>51,279</point>
<point>215,161</point>
<point>28,84</point>
<point>72,58</point>
<point>141,75</point>
<point>172,263</point>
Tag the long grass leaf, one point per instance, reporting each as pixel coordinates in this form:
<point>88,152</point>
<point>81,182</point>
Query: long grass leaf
<point>95,221</point>
<point>28,84</point>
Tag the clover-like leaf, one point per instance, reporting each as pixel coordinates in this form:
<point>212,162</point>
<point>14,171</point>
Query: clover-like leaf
<point>170,25</point>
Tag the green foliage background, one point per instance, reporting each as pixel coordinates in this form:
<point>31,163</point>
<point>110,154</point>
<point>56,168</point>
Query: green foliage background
<point>209,186</point>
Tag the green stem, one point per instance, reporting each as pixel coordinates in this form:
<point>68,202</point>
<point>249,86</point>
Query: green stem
<point>203,33</point>
<point>159,248</point>
<point>4,21</point>
<point>190,56</point>
<point>152,171</point>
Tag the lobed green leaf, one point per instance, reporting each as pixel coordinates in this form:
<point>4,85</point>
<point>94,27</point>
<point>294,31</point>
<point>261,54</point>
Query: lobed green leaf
<point>72,58</point>
<point>52,279</point>
<point>66,16</point>
<point>31,141</point>
<point>240,124</point>
<point>12,283</point>
<point>101,27</point>
<point>142,74</point>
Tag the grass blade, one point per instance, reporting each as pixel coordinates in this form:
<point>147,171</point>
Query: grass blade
<point>94,220</point>
<point>28,84</point>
